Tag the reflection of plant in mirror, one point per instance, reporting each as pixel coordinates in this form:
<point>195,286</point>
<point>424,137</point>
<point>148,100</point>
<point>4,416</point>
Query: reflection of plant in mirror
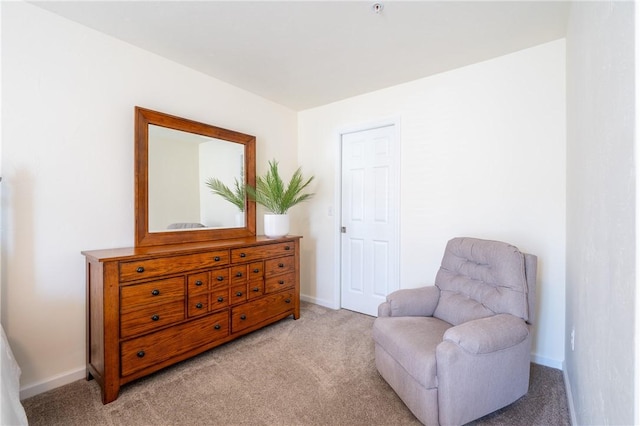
<point>272,194</point>
<point>236,197</point>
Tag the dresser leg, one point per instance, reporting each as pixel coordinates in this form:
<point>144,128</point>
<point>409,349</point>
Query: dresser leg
<point>110,394</point>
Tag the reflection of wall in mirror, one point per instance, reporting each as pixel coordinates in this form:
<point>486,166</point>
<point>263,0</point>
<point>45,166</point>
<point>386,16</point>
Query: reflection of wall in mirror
<point>225,161</point>
<point>179,164</point>
<point>173,182</point>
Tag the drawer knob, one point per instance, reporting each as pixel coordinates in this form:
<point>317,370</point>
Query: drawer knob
<point>217,258</point>
<point>238,274</point>
<point>220,278</point>
<point>220,299</point>
<point>280,282</point>
<point>155,292</point>
<point>256,270</point>
<point>140,354</point>
<point>256,289</point>
<point>287,248</point>
<point>140,269</point>
<point>155,317</point>
<point>198,305</point>
<point>198,283</point>
<point>243,317</point>
<point>280,265</point>
<point>239,294</point>
<point>287,300</point>
<point>217,326</point>
<point>243,254</point>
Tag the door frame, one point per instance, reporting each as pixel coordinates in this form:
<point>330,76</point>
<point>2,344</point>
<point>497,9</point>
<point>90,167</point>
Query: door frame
<point>337,200</point>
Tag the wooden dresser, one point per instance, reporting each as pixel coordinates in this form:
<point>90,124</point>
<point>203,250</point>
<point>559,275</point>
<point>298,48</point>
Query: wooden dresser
<point>150,307</point>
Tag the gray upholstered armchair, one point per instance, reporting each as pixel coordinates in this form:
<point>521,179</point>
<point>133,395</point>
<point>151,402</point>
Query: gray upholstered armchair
<point>459,350</point>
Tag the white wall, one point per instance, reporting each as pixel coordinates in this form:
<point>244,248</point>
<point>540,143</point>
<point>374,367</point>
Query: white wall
<point>601,229</point>
<point>68,95</point>
<point>483,154</point>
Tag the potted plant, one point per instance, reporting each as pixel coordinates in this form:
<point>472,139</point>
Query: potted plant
<point>271,192</point>
<point>237,196</point>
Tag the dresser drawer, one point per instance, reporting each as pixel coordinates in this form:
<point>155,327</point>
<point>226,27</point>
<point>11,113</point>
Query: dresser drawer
<point>253,313</point>
<point>151,349</point>
<point>142,269</point>
<point>151,317</point>
<point>280,282</point>
<point>249,254</point>
<point>133,297</point>
<point>238,294</point>
<point>198,283</point>
<point>238,274</point>
<point>255,289</point>
<point>198,304</point>
<point>255,271</point>
<point>219,299</point>
<point>219,278</point>
<point>279,266</point>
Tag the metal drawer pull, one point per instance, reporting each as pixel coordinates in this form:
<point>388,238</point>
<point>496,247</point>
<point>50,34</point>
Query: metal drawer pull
<point>217,326</point>
<point>155,292</point>
<point>256,289</point>
<point>198,283</point>
<point>243,317</point>
<point>238,274</point>
<point>280,265</point>
<point>239,294</point>
<point>140,354</point>
<point>287,300</point>
<point>280,282</point>
<point>287,248</point>
<point>220,299</point>
<point>256,270</point>
<point>220,278</point>
<point>217,258</point>
<point>155,317</point>
<point>140,269</point>
<point>198,305</point>
<point>243,254</point>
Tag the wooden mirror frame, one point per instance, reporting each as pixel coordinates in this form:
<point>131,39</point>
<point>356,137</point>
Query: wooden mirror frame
<point>143,238</point>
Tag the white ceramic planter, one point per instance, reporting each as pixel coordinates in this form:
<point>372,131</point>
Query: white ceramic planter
<point>276,225</point>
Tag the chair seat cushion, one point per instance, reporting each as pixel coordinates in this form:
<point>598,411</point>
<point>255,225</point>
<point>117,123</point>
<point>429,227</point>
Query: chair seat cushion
<point>412,342</point>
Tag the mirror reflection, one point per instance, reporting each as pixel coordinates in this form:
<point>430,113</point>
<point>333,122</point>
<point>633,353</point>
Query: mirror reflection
<point>179,165</point>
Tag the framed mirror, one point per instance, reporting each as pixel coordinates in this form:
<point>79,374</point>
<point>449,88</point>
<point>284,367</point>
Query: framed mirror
<point>175,159</point>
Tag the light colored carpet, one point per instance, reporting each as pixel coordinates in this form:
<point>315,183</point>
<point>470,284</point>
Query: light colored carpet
<point>318,370</point>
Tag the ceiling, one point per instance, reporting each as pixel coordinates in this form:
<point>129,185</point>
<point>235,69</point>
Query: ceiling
<point>303,54</point>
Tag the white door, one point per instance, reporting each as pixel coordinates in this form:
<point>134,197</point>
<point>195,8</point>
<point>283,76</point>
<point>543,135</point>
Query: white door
<point>370,219</point>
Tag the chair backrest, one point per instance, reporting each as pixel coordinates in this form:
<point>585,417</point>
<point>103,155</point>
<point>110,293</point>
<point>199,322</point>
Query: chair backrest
<point>480,278</point>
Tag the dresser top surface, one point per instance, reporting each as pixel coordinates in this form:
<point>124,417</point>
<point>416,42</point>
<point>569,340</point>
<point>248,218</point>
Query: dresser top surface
<point>185,248</point>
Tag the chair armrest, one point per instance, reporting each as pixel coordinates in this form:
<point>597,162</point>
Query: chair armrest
<point>489,334</point>
<point>410,302</point>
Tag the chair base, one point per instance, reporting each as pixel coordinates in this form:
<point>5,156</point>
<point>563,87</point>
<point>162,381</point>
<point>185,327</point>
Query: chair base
<point>509,383</point>
<point>422,402</point>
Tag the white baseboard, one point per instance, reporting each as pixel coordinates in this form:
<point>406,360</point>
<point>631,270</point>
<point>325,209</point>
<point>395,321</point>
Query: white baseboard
<point>326,303</point>
<point>547,362</point>
<point>567,385</point>
<point>52,383</point>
